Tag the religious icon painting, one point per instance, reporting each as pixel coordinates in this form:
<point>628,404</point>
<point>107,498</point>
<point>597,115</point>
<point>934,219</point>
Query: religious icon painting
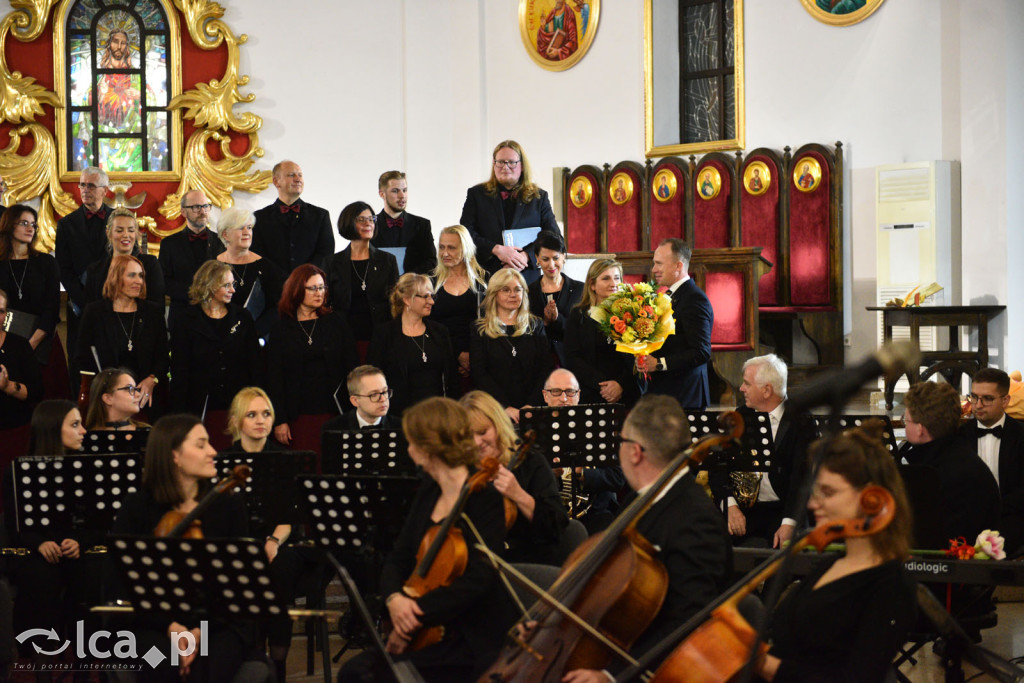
<point>665,185</point>
<point>557,33</point>
<point>621,189</point>
<point>806,174</point>
<point>841,12</point>
<point>757,178</point>
<point>581,191</point>
<point>709,182</point>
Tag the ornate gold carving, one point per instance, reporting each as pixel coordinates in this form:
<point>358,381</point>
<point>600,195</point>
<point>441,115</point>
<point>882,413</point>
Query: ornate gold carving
<point>30,18</point>
<point>20,98</point>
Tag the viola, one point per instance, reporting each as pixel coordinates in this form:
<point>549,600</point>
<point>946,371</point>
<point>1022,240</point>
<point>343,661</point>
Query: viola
<point>612,586</point>
<point>83,390</point>
<point>176,524</point>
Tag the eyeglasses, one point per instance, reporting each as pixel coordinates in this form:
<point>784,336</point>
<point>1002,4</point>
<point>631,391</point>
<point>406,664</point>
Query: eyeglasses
<point>377,396</point>
<point>228,285</point>
<point>571,393</point>
<point>502,163</point>
<point>984,400</point>
<point>511,291</point>
<point>625,440</point>
<point>132,390</point>
<point>200,207</point>
<point>316,288</point>
<point>27,224</point>
<point>366,220</point>
<point>89,186</point>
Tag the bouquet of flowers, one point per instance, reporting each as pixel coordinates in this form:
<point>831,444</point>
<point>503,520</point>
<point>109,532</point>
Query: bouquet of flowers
<point>988,546</point>
<point>637,318</point>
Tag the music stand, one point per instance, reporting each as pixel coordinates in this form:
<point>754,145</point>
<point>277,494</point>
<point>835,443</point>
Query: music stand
<point>109,441</point>
<point>756,445</point>
<point>271,493</point>
<point>850,421</point>
<point>366,451</point>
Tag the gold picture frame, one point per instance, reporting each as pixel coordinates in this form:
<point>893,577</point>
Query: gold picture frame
<point>806,174</point>
<point>568,24</point>
<point>842,12</point>
<point>620,189</point>
<point>664,185</point>
<point>581,191</point>
<point>757,178</point>
<point>709,183</point>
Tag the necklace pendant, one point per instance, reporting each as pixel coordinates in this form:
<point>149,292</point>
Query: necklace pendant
<point>129,344</point>
<point>513,351</point>
<point>310,342</point>
<point>424,356</point>
<point>363,286</point>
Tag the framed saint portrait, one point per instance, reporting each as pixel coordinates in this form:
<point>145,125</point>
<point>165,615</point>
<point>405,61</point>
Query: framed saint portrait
<point>841,12</point>
<point>806,174</point>
<point>580,192</point>
<point>557,33</point>
<point>757,178</point>
<point>665,185</point>
<point>621,189</point>
<point>709,182</point>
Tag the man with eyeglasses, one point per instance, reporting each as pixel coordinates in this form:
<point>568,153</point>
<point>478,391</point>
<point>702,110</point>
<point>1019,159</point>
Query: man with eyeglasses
<point>396,227</point>
<point>291,232</point>
<point>601,484</point>
<point>81,240</point>
<point>182,253</point>
<point>368,391</point>
<point>998,439</point>
<point>509,200</point>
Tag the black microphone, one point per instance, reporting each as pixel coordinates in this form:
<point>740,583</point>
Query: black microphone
<point>834,389</point>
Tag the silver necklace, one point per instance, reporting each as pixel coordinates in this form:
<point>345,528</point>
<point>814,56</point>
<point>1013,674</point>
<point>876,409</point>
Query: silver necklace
<point>241,278</point>
<point>309,335</point>
<point>361,277</point>
<point>422,347</point>
<point>509,341</point>
<point>13,276</point>
<point>128,333</point>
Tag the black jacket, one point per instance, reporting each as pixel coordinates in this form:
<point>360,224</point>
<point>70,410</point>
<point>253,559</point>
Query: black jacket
<point>1011,477</point>
<point>415,235</point>
<point>593,360</point>
<point>40,289</point>
<point>511,369</point>
<point>688,351</point>
<point>179,264</point>
<point>386,353</point>
<point>80,241</point>
<point>102,329</point>
<point>349,422</point>
<point>484,217</point>
<point>381,276</point>
<point>565,300</point>
<point>290,239</point>
<point>207,363</point>
<point>96,275</point>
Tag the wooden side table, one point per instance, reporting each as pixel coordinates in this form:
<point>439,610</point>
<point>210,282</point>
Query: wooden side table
<point>951,362</point>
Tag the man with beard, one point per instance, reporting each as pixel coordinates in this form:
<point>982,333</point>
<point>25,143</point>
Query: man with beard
<point>396,227</point>
<point>117,98</point>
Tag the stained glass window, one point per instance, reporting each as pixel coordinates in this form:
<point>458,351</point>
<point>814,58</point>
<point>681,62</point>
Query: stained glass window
<point>707,101</point>
<point>117,86</point>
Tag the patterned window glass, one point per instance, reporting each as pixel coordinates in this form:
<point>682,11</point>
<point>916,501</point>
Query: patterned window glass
<point>707,99</point>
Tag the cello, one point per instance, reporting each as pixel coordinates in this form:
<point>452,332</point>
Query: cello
<point>613,584</point>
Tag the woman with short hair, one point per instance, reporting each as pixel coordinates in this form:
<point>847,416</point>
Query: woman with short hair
<point>553,295</point>
<point>234,228</point>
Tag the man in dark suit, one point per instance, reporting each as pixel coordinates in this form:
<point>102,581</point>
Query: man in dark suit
<point>771,520</point>
<point>291,232</point>
<point>688,534</point>
<point>368,391</point>
<point>182,253</point>
<point>81,240</point>
<point>998,439</point>
<point>680,367</point>
<point>396,227</point>
<point>509,200</point>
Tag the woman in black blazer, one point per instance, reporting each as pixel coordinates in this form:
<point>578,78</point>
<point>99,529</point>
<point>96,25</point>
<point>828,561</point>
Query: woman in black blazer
<point>310,353</point>
<point>554,294</point>
<point>234,227</point>
<point>360,277</point>
<point>123,238</point>
<point>21,386</point>
<point>414,352</point>
<point>509,354</point>
<point>605,375</point>
<point>214,350</point>
<point>125,329</point>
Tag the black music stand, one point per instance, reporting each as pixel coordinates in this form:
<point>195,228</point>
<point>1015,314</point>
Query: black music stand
<point>849,421</point>
<point>271,494</point>
<point>365,451</point>
<point>756,445</point>
<point>109,441</point>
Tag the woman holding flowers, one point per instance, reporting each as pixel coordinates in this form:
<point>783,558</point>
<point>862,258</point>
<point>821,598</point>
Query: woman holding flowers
<point>605,375</point>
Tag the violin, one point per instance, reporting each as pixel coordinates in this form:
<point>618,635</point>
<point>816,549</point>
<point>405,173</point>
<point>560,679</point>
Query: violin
<point>176,524</point>
<point>612,585</point>
<point>718,650</point>
<point>511,509</point>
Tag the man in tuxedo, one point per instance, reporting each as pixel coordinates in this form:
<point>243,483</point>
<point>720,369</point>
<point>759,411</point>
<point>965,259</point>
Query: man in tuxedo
<point>686,531</point>
<point>291,232</point>
<point>368,391</point>
<point>81,240</point>
<point>770,521</point>
<point>998,439</point>
<point>182,253</point>
<point>680,367</point>
<point>396,227</point>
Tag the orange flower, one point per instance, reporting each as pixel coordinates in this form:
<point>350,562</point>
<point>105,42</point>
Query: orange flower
<point>619,326</point>
<point>627,316</point>
<point>612,320</point>
<point>649,310</point>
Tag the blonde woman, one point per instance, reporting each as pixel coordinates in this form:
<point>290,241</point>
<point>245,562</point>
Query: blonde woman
<point>123,238</point>
<point>509,353</point>
<point>235,230</point>
<point>413,351</point>
<point>459,285</point>
<point>531,484</point>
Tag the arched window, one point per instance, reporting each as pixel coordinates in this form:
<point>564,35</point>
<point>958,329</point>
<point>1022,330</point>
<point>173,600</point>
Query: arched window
<point>118,87</point>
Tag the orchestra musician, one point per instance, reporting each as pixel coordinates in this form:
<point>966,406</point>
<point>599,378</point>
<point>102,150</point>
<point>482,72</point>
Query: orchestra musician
<point>528,482</point>
<point>114,402</point>
<point>370,395</point>
<point>251,421</point>
<point>846,620</point>
<point>471,608</point>
<point>176,474</point>
<point>459,285</point>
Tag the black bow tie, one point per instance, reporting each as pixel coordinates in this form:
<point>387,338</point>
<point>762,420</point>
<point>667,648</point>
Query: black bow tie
<point>995,431</point>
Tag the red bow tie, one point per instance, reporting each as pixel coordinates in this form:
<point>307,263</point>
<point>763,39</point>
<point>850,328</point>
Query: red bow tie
<point>394,222</point>
<point>285,208</point>
<point>95,214</point>
<point>505,194</point>
<point>193,236</point>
